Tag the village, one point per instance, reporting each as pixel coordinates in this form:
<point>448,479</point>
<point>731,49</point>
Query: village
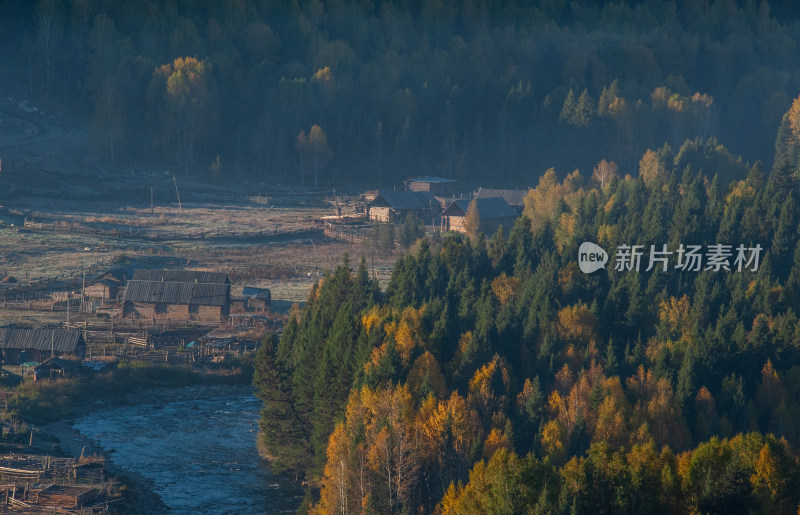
<point>157,295</point>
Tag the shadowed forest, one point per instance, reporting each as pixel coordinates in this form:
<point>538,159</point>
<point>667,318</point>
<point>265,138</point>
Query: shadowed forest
<point>337,92</point>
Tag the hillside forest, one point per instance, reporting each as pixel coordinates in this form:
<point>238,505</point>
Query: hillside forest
<point>491,93</point>
<point>494,376</point>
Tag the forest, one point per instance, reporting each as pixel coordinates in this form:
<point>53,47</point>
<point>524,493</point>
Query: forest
<point>491,375</point>
<point>335,92</point>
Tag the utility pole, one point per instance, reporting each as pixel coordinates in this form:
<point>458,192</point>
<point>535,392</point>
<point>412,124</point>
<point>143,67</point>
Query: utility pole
<point>152,210</point>
<point>180,208</point>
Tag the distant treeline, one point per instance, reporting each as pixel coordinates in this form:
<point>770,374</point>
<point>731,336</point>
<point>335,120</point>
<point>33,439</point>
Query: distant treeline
<point>344,91</point>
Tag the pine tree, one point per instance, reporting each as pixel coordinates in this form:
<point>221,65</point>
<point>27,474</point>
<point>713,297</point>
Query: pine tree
<point>568,109</point>
<point>284,434</point>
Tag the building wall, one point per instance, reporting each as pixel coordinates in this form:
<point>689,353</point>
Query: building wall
<point>437,188</point>
<point>175,311</point>
<point>380,214</point>
<point>256,304</point>
<point>208,313</point>
<point>140,309</point>
<point>98,291</point>
<point>455,223</point>
<point>488,227</point>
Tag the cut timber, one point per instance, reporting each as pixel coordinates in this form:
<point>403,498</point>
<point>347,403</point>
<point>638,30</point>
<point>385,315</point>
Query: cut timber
<point>66,496</point>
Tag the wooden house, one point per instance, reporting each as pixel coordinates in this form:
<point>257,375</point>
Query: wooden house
<point>514,198</point>
<point>104,290</point>
<point>54,367</point>
<point>395,206</point>
<point>174,300</point>
<point>258,299</point>
<point>433,185</point>
<point>492,212</point>
<point>24,345</point>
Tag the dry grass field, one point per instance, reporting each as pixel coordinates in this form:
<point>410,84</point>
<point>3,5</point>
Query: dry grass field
<point>258,244</point>
<point>64,213</point>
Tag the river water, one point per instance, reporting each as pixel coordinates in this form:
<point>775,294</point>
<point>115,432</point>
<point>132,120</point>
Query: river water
<point>199,451</point>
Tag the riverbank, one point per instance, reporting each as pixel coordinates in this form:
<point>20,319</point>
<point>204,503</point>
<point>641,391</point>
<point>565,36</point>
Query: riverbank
<point>139,491</point>
<point>70,399</point>
<point>42,402</point>
<point>183,450</point>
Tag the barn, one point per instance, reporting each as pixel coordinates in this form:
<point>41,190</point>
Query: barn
<point>178,295</point>
<point>395,206</point>
<point>258,299</point>
<point>20,345</point>
<point>493,212</point>
<point>161,300</point>
<point>104,290</point>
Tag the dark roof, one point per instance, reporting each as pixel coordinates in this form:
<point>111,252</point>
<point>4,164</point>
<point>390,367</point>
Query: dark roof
<point>181,276</point>
<point>513,197</point>
<point>162,292</point>
<point>488,208</point>
<point>251,292</point>
<point>405,200</point>
<point>60,340</point>
<point>57,363</point>
<point>432,179</point>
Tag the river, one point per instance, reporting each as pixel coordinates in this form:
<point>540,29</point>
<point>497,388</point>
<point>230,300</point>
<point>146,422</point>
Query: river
<point>199,451</point>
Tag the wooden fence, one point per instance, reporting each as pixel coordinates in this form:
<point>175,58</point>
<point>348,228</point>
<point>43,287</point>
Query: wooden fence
<point>343,234</point>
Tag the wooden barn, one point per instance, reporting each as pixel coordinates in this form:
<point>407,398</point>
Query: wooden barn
<point>104,290</point>
<point>54,367</point>
<point>514,198</point>
<point>492,212</point>
<point>171,300</point>
<point>433,185</point>
<point>395,206</point>
<point>256,299</point>
<point>24,345</point>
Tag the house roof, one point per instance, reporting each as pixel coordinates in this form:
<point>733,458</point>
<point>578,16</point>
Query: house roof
<point>432,179</point>
<point>163,292</point>
<point>57,363</point>
<point>488,208</point>
<point>181,276</point>
<point>405,200</point>
<point>60,340</point>
<point>513,197</point>
<point>251,292</point>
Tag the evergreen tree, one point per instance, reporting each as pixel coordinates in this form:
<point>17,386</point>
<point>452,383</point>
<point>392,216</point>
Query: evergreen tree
<point>284,435</point>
